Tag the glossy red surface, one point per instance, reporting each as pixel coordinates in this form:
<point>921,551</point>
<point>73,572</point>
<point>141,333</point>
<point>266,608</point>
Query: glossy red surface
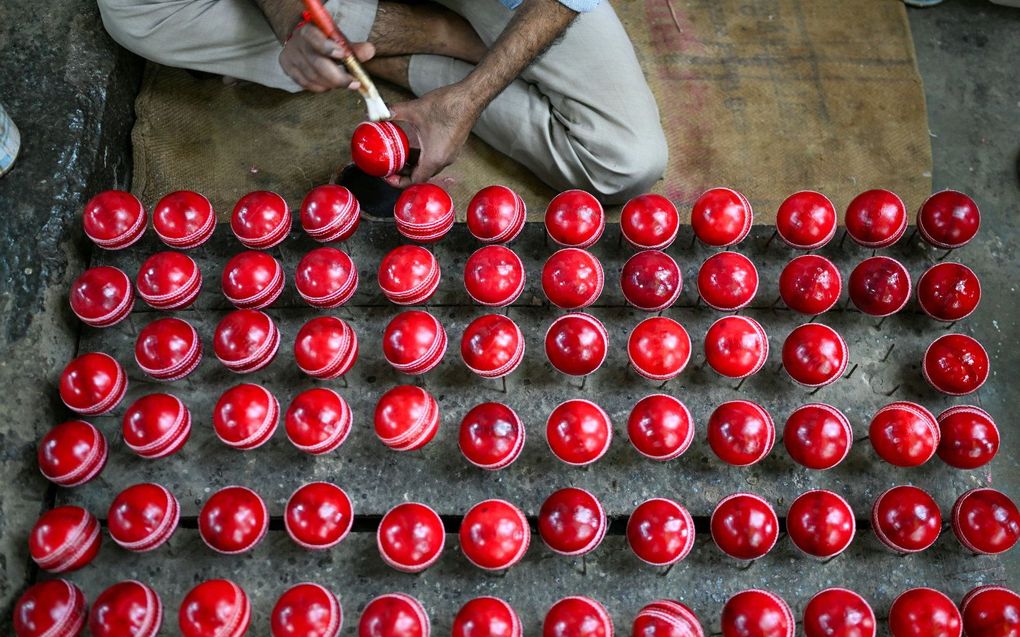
<point>142,517</point>
<point>379,149</point>
<point>736,346</point>
<point>948,291</point>
<point>233,520</point>
<point>252,280</point>
<point>492,346</point>
<point>572,522</point>
<point>169,281</point>
<point>114,219</point>
<point>572,279</point>
<point>51,608</point>
<point>838,612</point>
<point>72,453</point>
<point>660,427</point>
<point>306,610</point>
<point>410,537</point>
<point>102,296</point>
<point>168,349</point>
<point>494,276</point>
<point>986,521</point>
<point>64,539</point>
<point>721,217</point>
<point>876,219</point>
<point>184,219</point>
<point>394,615</point>
<point>815,355</point>
<point>215,607</point>
<point>576,344</point>
<point>126,609</point>
<point>969,437</point>
<point>578,432</point>
<point>330,213</point>
<point>727,281</point>
<point>660,532</point>
<point>904,434</point>
<point>92,384</point>
<point>821,523</point>
<point>955,364</point>
<point>948,219</point>
<point>156,425</point>
<point>757,613</point>
<point>494,535</point>
<point>991,611</point>
<point>810,284</point>
<point>246,416</point>
<point>879,286</point>
<point>659,348</point>
<point>496,214</point>
<point>487,617</point>
<point>246,340</point>
<point>406,418</point>
<point>326,278</point>
<point>906,519</point>
<point>744,526</point>
<point>261,220</point>
<point>806,220</point>
<point>666,618</point>
<point>491,436</point>
<point>424,212</point>
<point>326,347</point>
<point>414,342</point>
<point>649,222</point>
<point>741,432</point>
<point>651,280</point>
<point>575,218</point>
<point>577,617</point>
<point>318,421</point>
<point>318,515</point>
<point>409,275</point>
<point>817,436</point>
<point>924,612</point>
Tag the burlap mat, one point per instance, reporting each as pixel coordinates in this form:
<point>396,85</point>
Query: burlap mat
<point>766,96</point>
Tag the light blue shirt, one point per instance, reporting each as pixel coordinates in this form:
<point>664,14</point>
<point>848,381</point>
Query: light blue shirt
<point>580,6</point>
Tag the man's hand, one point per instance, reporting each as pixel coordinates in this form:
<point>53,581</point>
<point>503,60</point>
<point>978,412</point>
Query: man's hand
<point>313,60</point>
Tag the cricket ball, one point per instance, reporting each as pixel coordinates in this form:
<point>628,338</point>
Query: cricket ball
<point>876,218</point>
<point>576,344</point>
<point>580,616</point>
<point>215,607</point>
<point>394,615</point>
<point>757,613</point>
<point>169,281</point>
<point>818,436</point>
<point>906,519</point>
<point>414,342</point>
<point>379,149</point>
<point>491,436</point>
<point>102,296</point>
<point>659,348</point>
<point>307,610</point>
<point>741,432</point>
<point>494,276</point>
<point>126,608</point>
<point>406,418</point>
<point>494,535</point>
<point>924,612</point>
<point>168,349</point>
<point>318,421</point>
<point>578,432</point>
<point>660,532</point>
<point>838,612</point>
<point>744,526</point>
<point>330,213</point>
<point>991,611</point>
<point>948,219</point>
<point>492,346</point>
<point>572,522</point>
<point>879,286</point>
<point>727,281</point>
<point>156,425</point>
<point>904,434</point>
<point>72,453</point>
<point>252,280</point>
<point>969,437</point>
<point>948,291</point>
<point>572,279</point>
<point>660,427</point>
<point>92,384</point>
<point>318,515</point>
<point>64,539</point>
<point>666,618</point>
<point>261,220</point>
<point>721,217</point>
<point>245,417</point>
<point>246,341</point>
<point>114,219</point>
<point>496,214</point>
<point>424,213</point>
<point>651,280</point>
<point>409,275</point>
<point>575,219</point>
<point>326,347</point>
<point>815,355</point>
<point>410,537</point>
<point>233,520</point>
<point>810,284</point>
<point>986,521</point>
<point>806,220</point>
<point>955,364</point>
<point>142,517</point>
<point>51,608</point>
<point>184,219</point>
<point>487,617</point>
<point>821,524</point>
<point>649,222</point>
<point>736,346</point>
<point>326,278</point>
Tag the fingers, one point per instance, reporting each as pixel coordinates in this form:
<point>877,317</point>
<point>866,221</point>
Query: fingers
<point>364,51</point>
<point>328,73</point>
<point>319,43</point>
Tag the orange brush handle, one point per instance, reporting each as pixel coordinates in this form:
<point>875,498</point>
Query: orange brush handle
<point>324,21</point>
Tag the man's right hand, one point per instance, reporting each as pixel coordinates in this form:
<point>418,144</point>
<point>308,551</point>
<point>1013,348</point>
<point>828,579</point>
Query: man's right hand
<point>314,61</point>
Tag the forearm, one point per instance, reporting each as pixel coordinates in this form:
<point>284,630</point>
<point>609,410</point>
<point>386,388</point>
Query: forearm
<point>282,15</point>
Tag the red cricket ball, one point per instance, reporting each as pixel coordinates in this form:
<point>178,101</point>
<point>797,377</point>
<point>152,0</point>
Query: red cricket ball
<point>721,217</point>
<point>651,280</point>
<point>494,276</point>
<point>72,453</point>
<point>666,618</point>
<point>741,432</point>
<point>660,427</point>
<point>379,149</point>
<point>572,522</point>
<point>810,284</point>
<point>102,296</point>
<point>576,344</point>
<point>818,436</point>
<point>948,219</point>
<point>948,291</point>
<point>904,434</point>
<point>487,617</point>
<point>924,612</point>
<point>496,214</point>
<point>156,425</point>
<point>318,421</point>
<point>757,613</point>
<point>330,213</point>
<point>492,346</point>
<point>184,219</point>
<point>261,220</point>
<point>572,279</point>
<point>394,615</point>
<point>744,526</point>
<point>574,218</point>
<point>64,539</point>
<point>806,220</point>
<point>659,348</point>
<point>252,280</point>
<point>578,432</point>
<point>969,437</point>
<point>491,436</point>
<point>986,521</point>
<point>409,275</point>
<point>494,535</point>
<point>246,416</point>
<point>114,219</point>
<point>414,342</point>
<point>326,278</point>
<point>142,517</point>
<point>736,346</point>
<point>955,364</point>
<point>879,286</point>
<point>126,608</point>
<point>318,515</point>
<point>233,520</point>
<point>168,349</point>
<point>649,222</point>
<point>246,341</point>
<point>410,537</point>
<point>876,218</point>
<point>424,213</point>
<point>406,418</point>
<point>660,532</point>
<point>727,281</point>
<point>991,611</point>
<point>215,607</point>
<point>815,355</point>
<point>51,608</point>
<point>821,523</point>
<point>838,612</point>
<point>169,281</point>
<point>906,519</point>
<point>326,347</point>
<point>306,609</point>
<point>92,384</point>
<point>577,617</point>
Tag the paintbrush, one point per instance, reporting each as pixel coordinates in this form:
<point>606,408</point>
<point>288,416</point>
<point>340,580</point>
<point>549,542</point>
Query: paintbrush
<point>317,13</point>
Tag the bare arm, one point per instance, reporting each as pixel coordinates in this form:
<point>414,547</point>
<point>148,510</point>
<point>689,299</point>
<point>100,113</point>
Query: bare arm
<point>282,15</point>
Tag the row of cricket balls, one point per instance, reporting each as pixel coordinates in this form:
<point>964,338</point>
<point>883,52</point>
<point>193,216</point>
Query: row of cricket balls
<point>222,608</point>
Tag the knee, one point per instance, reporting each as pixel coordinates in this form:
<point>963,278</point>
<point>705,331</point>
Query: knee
<point>630,165</point>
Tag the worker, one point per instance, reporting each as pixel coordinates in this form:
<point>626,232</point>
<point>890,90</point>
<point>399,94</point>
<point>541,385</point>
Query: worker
<point>553,84</point>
